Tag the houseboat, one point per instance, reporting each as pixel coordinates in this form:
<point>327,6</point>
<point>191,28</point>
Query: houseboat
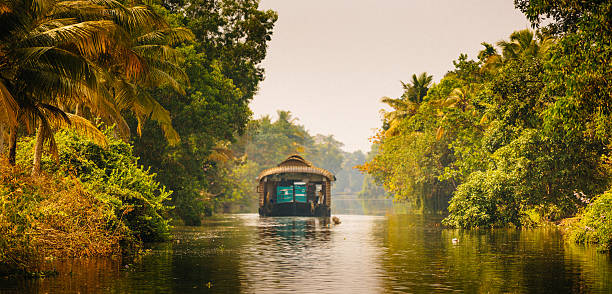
<point>295,188</point>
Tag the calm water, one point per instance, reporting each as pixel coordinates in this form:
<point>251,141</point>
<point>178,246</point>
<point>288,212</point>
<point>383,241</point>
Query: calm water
<point>364,254</point>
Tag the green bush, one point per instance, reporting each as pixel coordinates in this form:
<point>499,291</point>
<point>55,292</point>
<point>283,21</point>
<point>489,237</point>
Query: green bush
<point>113,176</point>
<point>595,225</point>
<point>486,199</point>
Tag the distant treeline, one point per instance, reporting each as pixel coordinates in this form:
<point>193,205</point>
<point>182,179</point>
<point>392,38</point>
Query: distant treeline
<point>266,143</point>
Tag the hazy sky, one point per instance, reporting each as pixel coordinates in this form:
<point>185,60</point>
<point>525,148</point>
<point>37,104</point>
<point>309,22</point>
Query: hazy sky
<point>330,61</point>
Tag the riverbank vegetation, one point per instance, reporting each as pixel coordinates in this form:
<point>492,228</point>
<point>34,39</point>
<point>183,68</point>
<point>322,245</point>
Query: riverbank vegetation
<point>120,117</point>
<point>88,87</point>
<point>519,135</point>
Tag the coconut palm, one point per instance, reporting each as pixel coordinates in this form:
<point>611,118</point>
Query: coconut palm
<point>417,88</point>
<point>523,43</point>
<point>407,105</point>
<point>402,108</point>
<point>52,60</point>
<point>157,67</point>
<point>459,98</point>
<point>41,62</point>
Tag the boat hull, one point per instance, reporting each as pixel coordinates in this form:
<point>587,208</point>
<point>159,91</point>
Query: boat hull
<point>295,209</point>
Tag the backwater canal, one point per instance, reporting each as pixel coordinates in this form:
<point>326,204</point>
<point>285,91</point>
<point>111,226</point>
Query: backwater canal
<point>364,254</point>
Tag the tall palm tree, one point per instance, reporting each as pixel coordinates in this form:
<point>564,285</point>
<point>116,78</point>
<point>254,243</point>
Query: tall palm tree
<point>407,105</point>
<point>41,62</point>
<point>54,56</point>
<point>417,88</point>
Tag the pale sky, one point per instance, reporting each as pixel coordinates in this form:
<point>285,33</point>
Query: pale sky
<point>330,61</point>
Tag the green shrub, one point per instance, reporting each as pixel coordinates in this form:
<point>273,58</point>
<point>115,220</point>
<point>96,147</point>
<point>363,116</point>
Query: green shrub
<point>486,199</point>
<point>113,176</point>
<point>53,216</point>
<point>595,225</point>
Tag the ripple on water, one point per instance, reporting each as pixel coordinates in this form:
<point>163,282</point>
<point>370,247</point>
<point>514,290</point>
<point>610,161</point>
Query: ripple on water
<point>364,254</point>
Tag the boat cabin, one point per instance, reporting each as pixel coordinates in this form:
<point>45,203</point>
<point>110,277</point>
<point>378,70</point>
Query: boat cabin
<point>295,187</point>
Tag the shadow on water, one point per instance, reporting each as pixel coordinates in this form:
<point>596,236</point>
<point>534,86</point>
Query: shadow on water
<point>364,254</point>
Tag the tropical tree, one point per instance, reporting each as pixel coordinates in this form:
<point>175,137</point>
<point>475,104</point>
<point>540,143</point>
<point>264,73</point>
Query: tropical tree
<point>147,62</point>
<point>402,108</point>
<point>85,55</point>
<point>525,43</point>
<point>42,62</point>
<point>522,44</point>
<point>417,88</point>
<point>407,105</point>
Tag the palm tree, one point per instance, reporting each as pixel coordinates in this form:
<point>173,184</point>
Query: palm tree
<point>158,66</point>
<point>459,99</point>
<point>52,58</point>
<point>407,105</point>
<point>402,108</point>
<point>418,87</point>
<point>41,62</point>
<point>523,43</point>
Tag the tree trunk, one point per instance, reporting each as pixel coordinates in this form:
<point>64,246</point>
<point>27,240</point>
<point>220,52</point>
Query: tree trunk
<point>77,109</point>
<point>38,149</point>
<point>1,140</point>
<point>12,145</point>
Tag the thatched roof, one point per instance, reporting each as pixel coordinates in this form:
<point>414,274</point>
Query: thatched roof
<point>296,164</point>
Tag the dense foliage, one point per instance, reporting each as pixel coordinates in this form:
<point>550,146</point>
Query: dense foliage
<point>70,64</point>
<point>222,64</point>
<point>113,176</point>
<point>517,136</point>
<point>51,216</point>
<point>595,224</point>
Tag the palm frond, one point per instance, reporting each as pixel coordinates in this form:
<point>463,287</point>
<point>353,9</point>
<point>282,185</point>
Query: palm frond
<point>80,7</point>
<point>169,36</point>
<point>147,106</point>
<point>163,52</point>
<point>137,17</point>
<point>158,78</point>
<point>59,61</point>
<point>82,126</point>
<point>101,104</point>
<point>88,36</point>
<point>393,102</point>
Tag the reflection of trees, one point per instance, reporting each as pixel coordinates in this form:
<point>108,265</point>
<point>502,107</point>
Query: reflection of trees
<point>247,254</point>
<point>209,254</point>
<point>86,275</point>
<point>405,261</point>
<point>514,260</point>
<point>420,257</point>
<point>595,268</point>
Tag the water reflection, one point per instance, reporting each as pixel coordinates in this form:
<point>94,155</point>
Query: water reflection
<point>421,257</point>
<point>310,254</point>
<point>364,254</point>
